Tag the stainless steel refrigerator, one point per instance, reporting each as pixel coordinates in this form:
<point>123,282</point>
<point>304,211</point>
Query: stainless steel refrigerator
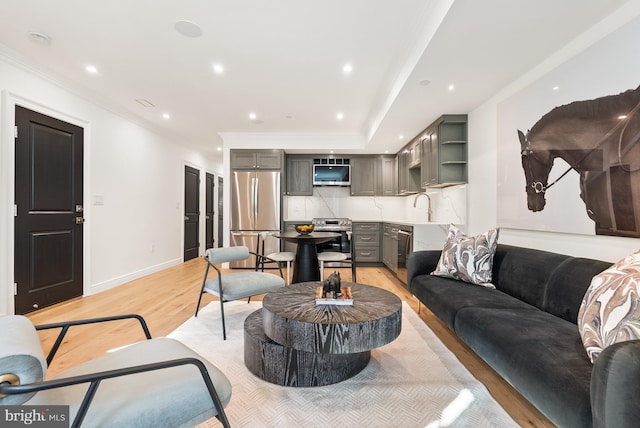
<point>255,207</point>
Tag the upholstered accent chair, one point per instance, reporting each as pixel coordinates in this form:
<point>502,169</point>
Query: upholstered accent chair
<point>155,382</point>
<point>237,285</point>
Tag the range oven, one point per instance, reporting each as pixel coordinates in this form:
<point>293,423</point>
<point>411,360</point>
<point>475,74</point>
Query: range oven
<point>342,244</point>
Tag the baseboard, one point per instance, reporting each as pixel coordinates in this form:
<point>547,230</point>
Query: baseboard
<point>114,282</point>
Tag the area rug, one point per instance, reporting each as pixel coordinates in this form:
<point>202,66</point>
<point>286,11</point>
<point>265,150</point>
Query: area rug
<point>415,381</point>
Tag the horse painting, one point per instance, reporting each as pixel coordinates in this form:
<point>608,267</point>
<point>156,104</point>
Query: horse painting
<point>598,139</point>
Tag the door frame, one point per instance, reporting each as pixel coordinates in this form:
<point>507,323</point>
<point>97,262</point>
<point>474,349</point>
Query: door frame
<point>7,200</point>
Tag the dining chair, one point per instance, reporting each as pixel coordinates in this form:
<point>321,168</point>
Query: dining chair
<point>335,256</point>
<point>279,257</point>
<point>155,382</point>
<point>237,285</point>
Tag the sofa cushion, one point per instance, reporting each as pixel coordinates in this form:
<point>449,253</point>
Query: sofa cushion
<point>610,311</point>
<point>445,297</point>
<point>538,353</point>
<point>567,285</point>
<point>469,259</point>
<point>523,272</point>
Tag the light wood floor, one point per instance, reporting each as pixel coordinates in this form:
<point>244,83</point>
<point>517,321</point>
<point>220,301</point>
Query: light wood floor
<point>168,298</point>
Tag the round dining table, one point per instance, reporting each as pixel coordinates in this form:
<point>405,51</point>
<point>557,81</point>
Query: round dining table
<point>306,266</point>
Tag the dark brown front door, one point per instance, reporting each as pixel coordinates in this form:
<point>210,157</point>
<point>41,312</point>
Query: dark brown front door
<point>191,212</point>
<point>48,221</point>
<point>209,211</point>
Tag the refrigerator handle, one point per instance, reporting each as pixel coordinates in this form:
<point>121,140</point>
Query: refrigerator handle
<point>256,186</point>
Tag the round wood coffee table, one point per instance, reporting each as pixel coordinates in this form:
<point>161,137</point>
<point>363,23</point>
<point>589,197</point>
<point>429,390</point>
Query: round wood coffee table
<point>292,341</point>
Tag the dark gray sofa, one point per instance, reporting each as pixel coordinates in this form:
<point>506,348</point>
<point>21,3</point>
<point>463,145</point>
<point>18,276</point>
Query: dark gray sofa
<point>526,330</point>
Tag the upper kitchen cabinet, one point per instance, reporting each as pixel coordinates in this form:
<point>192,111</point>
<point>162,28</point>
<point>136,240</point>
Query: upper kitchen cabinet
<point>256,159</point>
<point>364,173</point>
<point>373,176</point>
<point>299,176</point>
<point>388,177</point>
<point>408,168</point>
<point>444,152</point>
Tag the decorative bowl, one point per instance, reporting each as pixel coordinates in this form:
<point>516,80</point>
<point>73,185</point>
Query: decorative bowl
<point>304,229</point>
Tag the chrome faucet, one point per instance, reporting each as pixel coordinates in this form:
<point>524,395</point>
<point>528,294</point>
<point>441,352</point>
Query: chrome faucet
<point>429,212</point>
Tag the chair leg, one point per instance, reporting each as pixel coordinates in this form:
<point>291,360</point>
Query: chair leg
<point>288,270</point>
<point>224,330</point>
<point>321,270</point>
<point>204,282</point>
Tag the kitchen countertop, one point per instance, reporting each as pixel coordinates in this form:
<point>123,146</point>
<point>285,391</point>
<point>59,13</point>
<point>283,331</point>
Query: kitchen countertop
<point>426,236</point>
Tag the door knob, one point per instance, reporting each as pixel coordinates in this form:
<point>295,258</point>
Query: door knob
<point>186,218</point>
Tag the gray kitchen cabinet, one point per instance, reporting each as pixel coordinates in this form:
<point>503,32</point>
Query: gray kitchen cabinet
<point>299,176</point>
<point>366,242</point>
<point>256,159</point>
<point>429,167</point>
<point>390,246</point>
<point>408,170</point>
<point>388,177</point>
<point>444,152</point>
<point>374,176</point>
<point>364,173</point>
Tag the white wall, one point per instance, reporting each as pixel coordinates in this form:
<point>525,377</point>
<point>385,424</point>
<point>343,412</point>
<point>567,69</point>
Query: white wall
<point>138,172</point>
<point>482,194</point>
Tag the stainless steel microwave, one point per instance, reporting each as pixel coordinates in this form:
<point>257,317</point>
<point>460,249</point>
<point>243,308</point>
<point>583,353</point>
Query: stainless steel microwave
<point>331,175</point>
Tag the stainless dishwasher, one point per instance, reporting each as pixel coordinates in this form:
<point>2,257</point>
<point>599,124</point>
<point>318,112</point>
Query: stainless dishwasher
<point>405,248</point>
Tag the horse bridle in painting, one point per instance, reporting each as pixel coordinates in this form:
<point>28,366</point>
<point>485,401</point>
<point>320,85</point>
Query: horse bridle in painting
<point>538,186</point>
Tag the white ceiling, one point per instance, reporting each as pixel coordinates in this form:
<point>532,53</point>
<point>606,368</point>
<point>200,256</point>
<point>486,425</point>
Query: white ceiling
<point>283,59</point>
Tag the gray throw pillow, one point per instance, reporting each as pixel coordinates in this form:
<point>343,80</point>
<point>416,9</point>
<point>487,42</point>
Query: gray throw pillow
<point>468,259</point>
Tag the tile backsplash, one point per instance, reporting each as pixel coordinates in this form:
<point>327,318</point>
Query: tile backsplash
<point>448,205</point>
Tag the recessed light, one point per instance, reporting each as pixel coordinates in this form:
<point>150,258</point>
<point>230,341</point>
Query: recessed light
<point>218,68</point>
<point>331,151</point>
<point>424,82</point>
<point>347,69</point>
<point>622,116</point>
<point>339,116</point>
<point>166,116</point>
<point>555,88</point>
<point>400,137</point>
<point>91,69</point>
<point>386,151</point>
<point>188,29</point>
<point>288,116</point>
<point>451,87</point>
<point>252,116</point>
<point>219,149</point>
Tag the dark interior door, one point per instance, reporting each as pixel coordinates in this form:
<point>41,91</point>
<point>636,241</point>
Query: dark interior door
<point>191,213</point>
<point>209,211</point>
<point>220,211</point>
<point>49,219</point>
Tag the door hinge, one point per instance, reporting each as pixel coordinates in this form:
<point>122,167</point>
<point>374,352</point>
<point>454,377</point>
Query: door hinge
<point>15,210</point>
<point>15,288</point>
<point>15,131</point>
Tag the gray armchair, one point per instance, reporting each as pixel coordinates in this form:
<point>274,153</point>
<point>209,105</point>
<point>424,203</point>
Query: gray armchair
<point>234,286</point>
<point>156,382</point>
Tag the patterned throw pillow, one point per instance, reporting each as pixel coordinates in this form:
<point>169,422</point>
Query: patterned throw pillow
<point>469,259</point>
<point>610,309</point>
